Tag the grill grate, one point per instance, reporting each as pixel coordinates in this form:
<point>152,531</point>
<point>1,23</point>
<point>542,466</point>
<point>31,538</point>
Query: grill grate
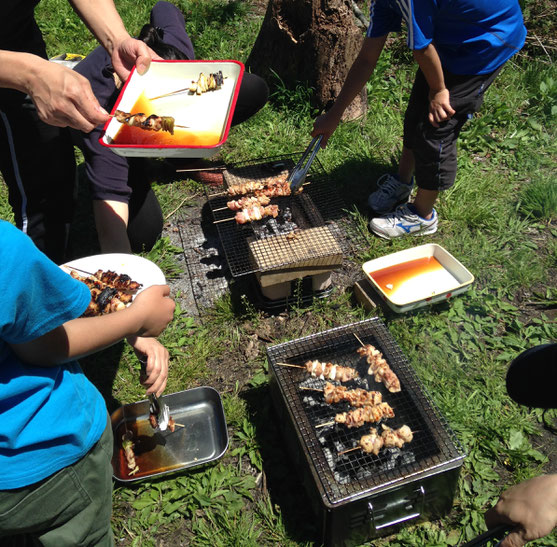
<point>299,235</point>
<point>344,476</point>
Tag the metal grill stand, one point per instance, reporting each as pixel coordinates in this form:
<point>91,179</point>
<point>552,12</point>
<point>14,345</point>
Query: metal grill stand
<point>296,245</point>
<point>359,496</point>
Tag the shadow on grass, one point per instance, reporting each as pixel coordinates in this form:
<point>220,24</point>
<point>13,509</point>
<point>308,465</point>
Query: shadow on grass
<point>283,477</point>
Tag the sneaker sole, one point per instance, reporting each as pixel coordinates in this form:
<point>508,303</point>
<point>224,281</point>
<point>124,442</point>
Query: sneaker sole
<point>425,232</point>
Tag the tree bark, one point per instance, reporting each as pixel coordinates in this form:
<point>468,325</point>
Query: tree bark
<point>313,42</point>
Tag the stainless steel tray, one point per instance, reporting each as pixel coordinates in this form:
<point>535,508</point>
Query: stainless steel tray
<point>200,438</point>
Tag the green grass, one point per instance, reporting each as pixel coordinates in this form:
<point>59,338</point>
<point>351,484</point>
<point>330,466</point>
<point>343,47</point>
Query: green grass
<point>498,219</point>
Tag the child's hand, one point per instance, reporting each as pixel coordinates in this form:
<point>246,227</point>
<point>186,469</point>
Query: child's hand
<point>440,109</point>
<point>325,125</point>
<point>156,309</point>
<point>155,358</point>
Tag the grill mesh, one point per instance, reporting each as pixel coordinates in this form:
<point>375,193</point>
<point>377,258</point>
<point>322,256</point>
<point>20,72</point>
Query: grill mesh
<point>343,476</point>
<point>268,244</point>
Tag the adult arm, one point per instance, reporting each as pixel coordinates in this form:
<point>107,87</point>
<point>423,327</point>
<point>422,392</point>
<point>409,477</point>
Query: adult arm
<point>530,506</point>
<point>440,108</point>
<point>361,70</point>
<point>148,315</point>
<point>62,97</point>
<point>103,20</point>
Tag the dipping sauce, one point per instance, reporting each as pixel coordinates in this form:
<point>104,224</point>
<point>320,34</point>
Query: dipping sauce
<point>182,137</point>
<point>414,280</point>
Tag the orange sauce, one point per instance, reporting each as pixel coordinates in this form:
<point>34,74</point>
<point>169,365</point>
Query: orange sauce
<point>391,278</point>
<point>182,137</point>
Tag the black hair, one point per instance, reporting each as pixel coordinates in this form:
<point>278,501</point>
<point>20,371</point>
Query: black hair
<point>153,37</point>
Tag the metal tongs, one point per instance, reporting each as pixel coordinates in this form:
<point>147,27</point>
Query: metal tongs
<point>160,410</point>
<point>298,174</point>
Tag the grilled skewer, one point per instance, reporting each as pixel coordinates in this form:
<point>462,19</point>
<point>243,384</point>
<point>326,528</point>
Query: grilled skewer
<point>379,368</point>
<point>326,371</point>
<point>373,442</point>
<point>355,397</point>
<point>365,414</point>
<point>206,83</point>
<point>148,123</point>
<point>246,201</point>
<point>127,446</point>
<point>255,212</point>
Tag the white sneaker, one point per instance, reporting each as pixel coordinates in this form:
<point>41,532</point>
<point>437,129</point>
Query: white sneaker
<point>404,221</point>
<point>390,193</point>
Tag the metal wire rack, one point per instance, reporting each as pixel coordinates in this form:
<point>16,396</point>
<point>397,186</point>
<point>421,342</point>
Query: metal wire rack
<point>299,235</point>
<point>345,476</point>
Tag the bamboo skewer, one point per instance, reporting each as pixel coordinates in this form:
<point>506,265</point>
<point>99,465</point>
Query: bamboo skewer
<point>349,450</point>
<point>290,365</point>
<point>325,424</point>
<point>168,94</point>
<point>359,339</point>
<point>223,220</point>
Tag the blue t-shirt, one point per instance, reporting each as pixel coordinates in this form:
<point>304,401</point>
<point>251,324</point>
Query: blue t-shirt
<point>50,416</point>
<point>471,36</point>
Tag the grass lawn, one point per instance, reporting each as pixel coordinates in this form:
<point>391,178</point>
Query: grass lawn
<point>499,220</point>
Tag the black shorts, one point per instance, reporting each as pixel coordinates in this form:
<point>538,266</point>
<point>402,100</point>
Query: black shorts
<point>435,147</point>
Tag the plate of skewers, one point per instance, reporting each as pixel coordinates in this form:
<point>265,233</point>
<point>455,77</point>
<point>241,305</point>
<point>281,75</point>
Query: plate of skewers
<point>114,279</point>
<point>179,109</point>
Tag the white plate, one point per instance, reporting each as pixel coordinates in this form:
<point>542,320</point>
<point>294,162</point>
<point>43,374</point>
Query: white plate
<point>138,268</point>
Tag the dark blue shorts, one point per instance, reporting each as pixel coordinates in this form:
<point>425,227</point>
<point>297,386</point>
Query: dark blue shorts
<point>435,147</point>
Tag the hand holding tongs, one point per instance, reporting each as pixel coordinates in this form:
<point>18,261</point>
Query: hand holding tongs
<point>161,411</point>
<point>298,174</point>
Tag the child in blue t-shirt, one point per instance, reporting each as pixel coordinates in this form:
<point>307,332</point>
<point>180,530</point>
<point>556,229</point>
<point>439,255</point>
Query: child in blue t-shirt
<point>460,47</point>
<point>55,435</point>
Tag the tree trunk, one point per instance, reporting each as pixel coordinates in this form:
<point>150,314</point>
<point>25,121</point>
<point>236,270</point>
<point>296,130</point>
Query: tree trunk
<point>313,42</point>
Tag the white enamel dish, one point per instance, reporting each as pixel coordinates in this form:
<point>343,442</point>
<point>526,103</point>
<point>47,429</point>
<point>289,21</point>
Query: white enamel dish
<point>206,117</point>
<point>419,290</point>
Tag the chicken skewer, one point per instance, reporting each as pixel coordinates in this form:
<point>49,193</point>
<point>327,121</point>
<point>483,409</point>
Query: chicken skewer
<point>217,78</point>
<point>245,201</point>
<point>252,213</point>
<point>104,298</point>
<point>275,186</point>
<point>365,414</point>
<point>326,371</point>
<point>148,123</point>
<point>127,446</point>
<point>378,367</point>
<point>355,397</point>
<point>390,438</point>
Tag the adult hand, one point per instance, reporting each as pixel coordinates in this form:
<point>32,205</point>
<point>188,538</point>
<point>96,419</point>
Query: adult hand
<point>155,309</point>
<point>440,109</point>
<point>531,506</point>
<point>155,356</point>
<point>63,97</point>
<point>325,125</point>
<point>129,53</point>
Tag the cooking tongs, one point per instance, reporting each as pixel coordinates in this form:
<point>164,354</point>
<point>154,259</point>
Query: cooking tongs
<point>298,174</point>
<point>160,410</point>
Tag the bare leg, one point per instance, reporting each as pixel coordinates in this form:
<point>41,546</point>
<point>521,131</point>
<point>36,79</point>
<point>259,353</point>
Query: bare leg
<point>424,201</point>
<point>406,165</point>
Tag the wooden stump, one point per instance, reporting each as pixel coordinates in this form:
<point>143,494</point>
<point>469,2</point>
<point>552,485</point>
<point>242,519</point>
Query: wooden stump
<point>313,42</point>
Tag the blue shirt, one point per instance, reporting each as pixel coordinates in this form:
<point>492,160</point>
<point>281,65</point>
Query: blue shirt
<point>471,36</point>
<point>51,416</point>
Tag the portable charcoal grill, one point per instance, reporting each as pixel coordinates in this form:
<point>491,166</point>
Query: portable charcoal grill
<point>298,236</point>
<point>358,496</point>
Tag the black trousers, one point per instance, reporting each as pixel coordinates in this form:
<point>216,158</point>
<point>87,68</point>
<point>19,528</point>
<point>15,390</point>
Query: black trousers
<point>38,165</point>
